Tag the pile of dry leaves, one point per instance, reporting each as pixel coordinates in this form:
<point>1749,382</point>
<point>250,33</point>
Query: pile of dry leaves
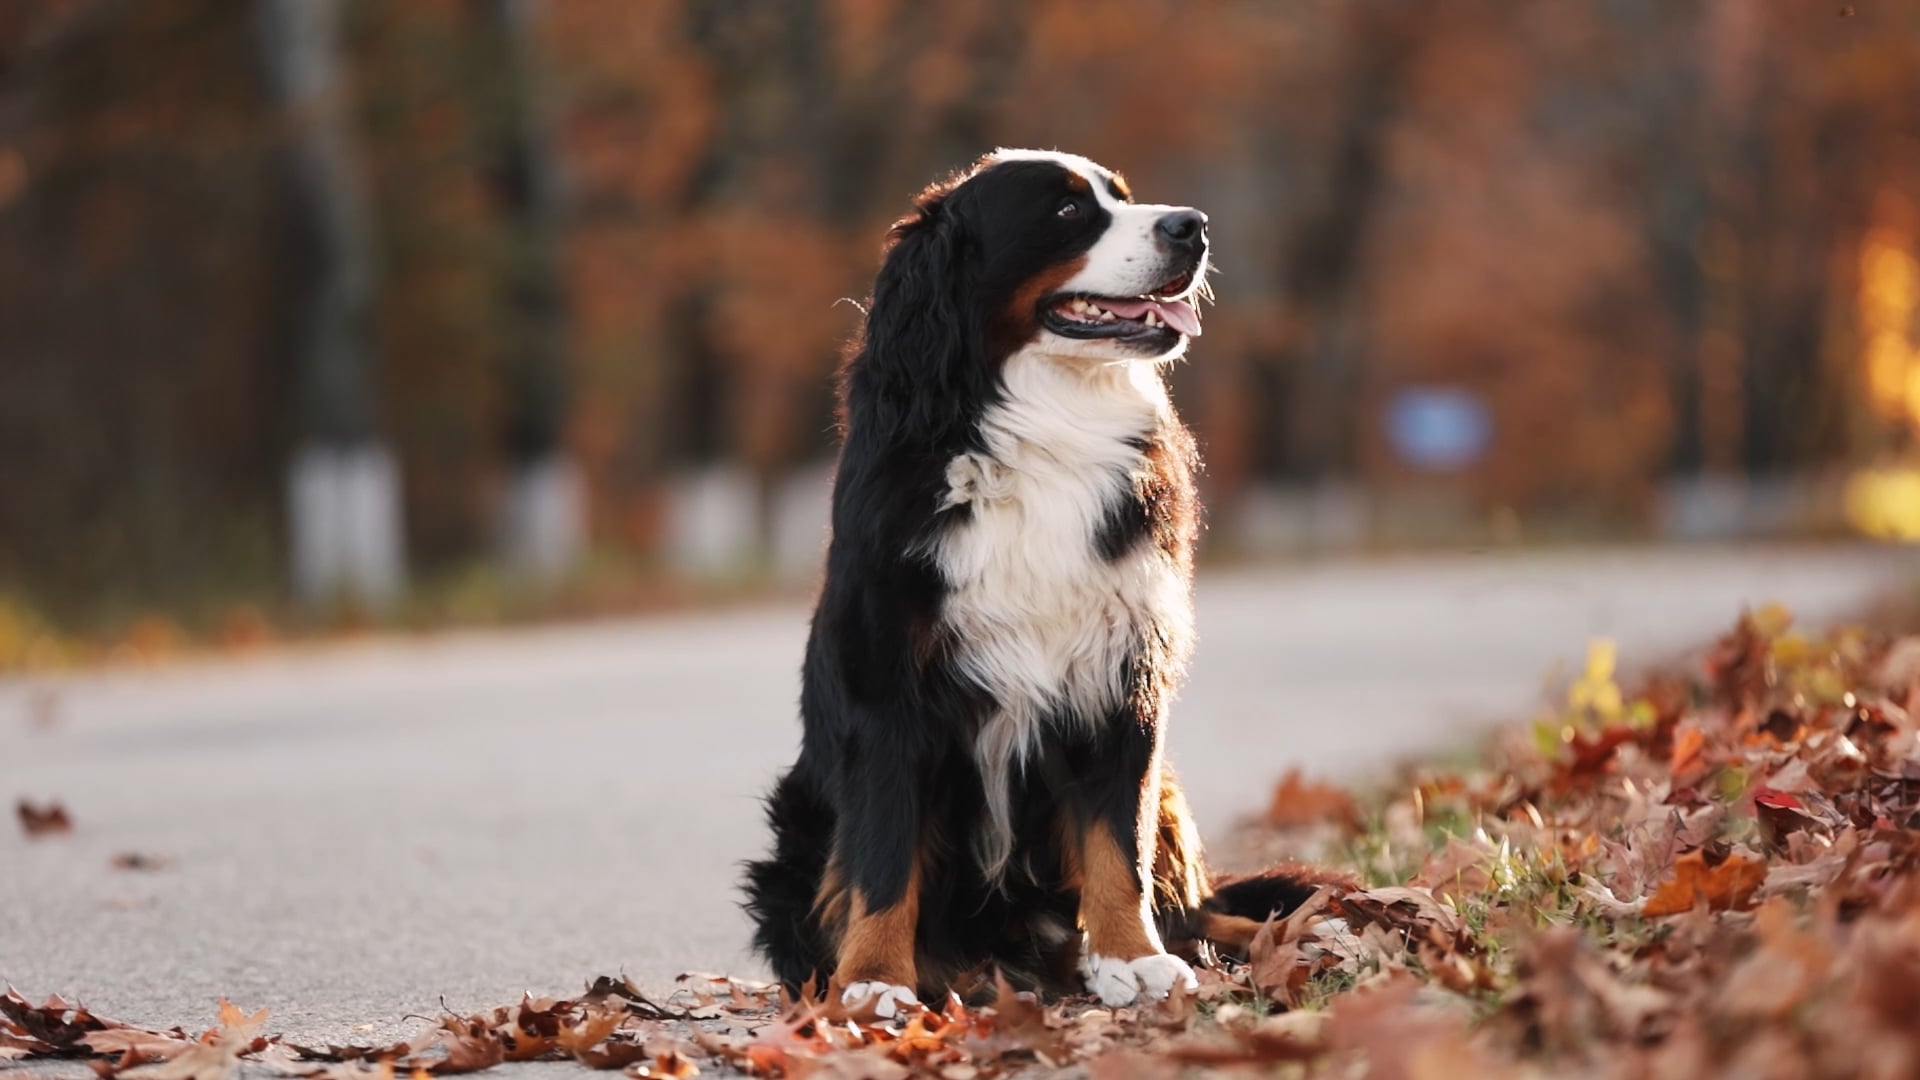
<point>1713,876</point>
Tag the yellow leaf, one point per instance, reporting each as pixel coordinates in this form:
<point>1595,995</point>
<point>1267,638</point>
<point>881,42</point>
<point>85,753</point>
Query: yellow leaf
<point>1772,619</point>
<point>1602,654</point>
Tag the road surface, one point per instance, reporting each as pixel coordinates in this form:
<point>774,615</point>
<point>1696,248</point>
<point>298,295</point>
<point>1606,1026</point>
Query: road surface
<point>359,832</point>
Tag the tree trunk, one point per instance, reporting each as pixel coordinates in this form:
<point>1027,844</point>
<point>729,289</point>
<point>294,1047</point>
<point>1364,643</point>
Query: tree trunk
<point>543,520</point>
<point>343,485</point>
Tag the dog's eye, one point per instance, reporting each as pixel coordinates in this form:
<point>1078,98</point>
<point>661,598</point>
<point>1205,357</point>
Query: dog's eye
<point>1069,208</point>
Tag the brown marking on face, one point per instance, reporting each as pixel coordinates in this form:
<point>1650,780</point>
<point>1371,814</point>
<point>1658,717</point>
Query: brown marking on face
<point>1118,185</point>
<point>1019,321</point>
<point>878,944</point>
<point>1078,184</point>
<point>1113,898</point>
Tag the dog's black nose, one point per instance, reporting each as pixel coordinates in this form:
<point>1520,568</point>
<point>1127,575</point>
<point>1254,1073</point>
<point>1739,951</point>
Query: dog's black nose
<point>1183,229</point>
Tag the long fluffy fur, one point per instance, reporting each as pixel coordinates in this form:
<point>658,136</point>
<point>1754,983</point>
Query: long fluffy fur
<point>1038,612</point>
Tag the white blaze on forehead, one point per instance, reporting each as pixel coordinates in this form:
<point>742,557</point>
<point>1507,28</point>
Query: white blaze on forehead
<point>1095,174</point>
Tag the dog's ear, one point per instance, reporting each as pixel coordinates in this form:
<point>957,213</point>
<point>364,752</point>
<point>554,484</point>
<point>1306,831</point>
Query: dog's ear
<point>922,362</point>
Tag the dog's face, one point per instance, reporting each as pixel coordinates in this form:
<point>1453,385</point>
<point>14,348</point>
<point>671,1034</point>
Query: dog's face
<point>1068,263</point>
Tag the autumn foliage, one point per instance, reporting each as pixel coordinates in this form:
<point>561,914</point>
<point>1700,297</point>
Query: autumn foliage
<point>1657,239</point>
<point>1719,875</point>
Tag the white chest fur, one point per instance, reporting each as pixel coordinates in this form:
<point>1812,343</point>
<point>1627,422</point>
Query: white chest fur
<point>1042,619</point>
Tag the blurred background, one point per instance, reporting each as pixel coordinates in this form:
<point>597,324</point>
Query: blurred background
<point>454,310</point>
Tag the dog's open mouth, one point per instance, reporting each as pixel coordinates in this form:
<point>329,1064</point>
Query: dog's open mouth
<point>1167,310</point>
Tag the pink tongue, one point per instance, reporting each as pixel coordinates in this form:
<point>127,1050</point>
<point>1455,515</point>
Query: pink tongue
<point>1175,313</point>
<point>1180,315</point>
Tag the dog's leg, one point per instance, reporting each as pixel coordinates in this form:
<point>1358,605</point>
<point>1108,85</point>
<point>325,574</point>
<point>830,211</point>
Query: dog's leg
<point>876,952</point>
<point>1124,957</point>
<point>877,848</point>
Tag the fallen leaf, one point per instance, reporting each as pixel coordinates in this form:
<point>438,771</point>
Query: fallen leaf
<point>1278,970</point>
<point>15,1045</point>
<point>1299,801</point>
<point>39,821</point>
<point>153,1045</point>
<point>588,1042</point>
<point>1591,754</point>
<point>470,1046</point>
<point>1728,885</point>
<point>216,1055</point>
<point>1685,761</point>
<point>57,1022</point>
<point>1782,725</point>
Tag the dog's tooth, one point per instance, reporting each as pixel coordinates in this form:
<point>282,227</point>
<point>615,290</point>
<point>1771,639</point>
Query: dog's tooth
<point>1151,319</point>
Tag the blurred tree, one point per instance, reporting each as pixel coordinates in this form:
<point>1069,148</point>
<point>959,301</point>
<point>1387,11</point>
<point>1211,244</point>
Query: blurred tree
<point>1638,233</point>
<point>344,495</point>
<point>139,426</point>
<point>543,516</point>
<point>428,107</point>
<point>1324,254</point>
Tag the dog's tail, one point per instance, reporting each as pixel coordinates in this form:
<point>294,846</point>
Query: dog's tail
<point>1238,905</point>
<point>783,889</point>
<point>1202,913</point>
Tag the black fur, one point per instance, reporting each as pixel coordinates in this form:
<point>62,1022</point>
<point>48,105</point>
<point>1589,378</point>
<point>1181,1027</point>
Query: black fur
<point>1264,896</point>
<point>886,776</point>
<point>783,886</point>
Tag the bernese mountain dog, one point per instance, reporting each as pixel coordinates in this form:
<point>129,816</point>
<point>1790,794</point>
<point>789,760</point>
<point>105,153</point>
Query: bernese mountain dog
<point>1006,615</point>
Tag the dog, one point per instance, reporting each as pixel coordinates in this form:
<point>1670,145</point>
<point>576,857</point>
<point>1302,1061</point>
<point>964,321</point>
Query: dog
<point>1006,615</point>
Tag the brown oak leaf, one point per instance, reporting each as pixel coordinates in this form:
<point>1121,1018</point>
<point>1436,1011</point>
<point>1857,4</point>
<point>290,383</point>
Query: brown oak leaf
<point>49,820</point>
<point>1728,885</point>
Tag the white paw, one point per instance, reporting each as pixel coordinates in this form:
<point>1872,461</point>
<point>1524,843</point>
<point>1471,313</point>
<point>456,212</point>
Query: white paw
<point>1118,982</point>
<point>1159,973</point>
<point>887,999</point>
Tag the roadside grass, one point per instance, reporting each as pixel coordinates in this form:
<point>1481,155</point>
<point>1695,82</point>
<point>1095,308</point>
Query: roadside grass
<point>478,595</point>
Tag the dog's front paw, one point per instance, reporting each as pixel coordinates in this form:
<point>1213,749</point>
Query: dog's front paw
<point>1161,972</point>
<point>1118,982</point>
<point>886,999</point>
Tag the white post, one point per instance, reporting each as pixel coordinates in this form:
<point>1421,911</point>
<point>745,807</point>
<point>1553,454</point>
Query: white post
<point>343,486</point>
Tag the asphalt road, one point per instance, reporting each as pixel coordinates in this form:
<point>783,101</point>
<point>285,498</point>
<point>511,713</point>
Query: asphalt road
<point>359,832</point>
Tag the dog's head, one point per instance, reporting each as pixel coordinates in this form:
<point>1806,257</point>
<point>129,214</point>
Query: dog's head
<point>1033,250</point>
<point>1062,258</point>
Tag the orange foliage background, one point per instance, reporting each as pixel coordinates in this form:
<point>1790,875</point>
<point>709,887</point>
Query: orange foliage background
<point>1633,229</point>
